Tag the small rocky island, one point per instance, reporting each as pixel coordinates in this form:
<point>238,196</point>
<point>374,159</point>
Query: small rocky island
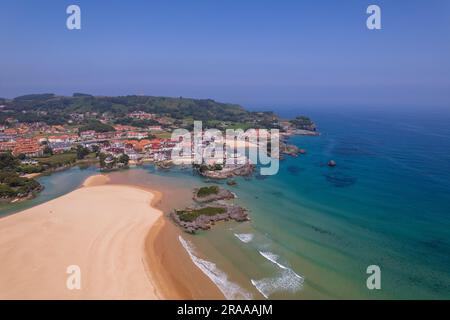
<point>212,193</point>
<point>211,209</point>
<point>220,172</point>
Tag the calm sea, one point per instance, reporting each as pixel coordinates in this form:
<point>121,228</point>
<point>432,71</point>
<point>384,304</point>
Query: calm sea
<point>316,229</point>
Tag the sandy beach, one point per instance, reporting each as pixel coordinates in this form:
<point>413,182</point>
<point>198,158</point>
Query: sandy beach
<point>123,245</point>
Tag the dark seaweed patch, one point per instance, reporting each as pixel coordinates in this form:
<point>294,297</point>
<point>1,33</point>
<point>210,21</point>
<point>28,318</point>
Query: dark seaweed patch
<point>277,194</point>
<point>346,150</point>
<point>340,180</point>
<point>294,170</point>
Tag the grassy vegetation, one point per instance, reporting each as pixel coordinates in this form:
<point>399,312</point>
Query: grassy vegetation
<point>207,191</point>
<point>57,110</point>
<point>161,134</point>
<point>96,126</point>
<point>58,160</point>
<point>27,169</point>
<point>239,125</point>
<point>191,215</point>
<point>11,185</point>
<point>304,123</point>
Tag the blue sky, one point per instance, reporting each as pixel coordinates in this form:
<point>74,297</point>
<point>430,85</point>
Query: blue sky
<point>252,52</point>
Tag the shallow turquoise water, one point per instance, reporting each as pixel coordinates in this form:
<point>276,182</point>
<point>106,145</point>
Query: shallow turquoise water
<point>387,203</point>
<point>55,185</point>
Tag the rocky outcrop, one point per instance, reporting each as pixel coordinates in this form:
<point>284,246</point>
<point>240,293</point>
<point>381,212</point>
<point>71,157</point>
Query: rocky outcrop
<point>220,194</point>
<point>229,172</point>
<point>192,221</point>
<point>290,150</point>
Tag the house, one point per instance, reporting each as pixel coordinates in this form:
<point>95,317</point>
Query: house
<point>11,132</point>
<point>29,162</point>
<point>121,128</point>
<point>90,134</point>
<point>137,145</point>
<point>90,145</point>
<point>63,138</point>
<point>60,147</point>
<point>119,135</point>
<point>28,147</point>
<point>7,146</point>
<point>6,138</point>
<point>153,145</point>
<point>109,160</point>
<point>117,144</point>
<point>57,129</point>
<point>133,155</point>
<point>116,152</point>
<point>137,135</point>
<point>104,135</point>
<point>141,115</point>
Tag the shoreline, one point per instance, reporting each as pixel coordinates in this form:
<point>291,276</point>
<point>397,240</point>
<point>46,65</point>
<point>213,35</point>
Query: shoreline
<point>126,250</point>
<point>173,270</point>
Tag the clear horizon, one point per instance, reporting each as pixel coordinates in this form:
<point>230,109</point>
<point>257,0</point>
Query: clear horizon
<point>271,54</point>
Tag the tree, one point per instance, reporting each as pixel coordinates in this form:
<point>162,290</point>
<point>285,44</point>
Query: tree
<point>82,152</point>
<point>96,126</point>
<point>48,151</point>
<point>8,162</point>
<point>124,159</point>
<point>96,149</point>
<point>102,157</point>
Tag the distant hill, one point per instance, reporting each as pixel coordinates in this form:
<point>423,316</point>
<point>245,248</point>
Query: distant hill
<point>83,109</point>
<point>177,108</point>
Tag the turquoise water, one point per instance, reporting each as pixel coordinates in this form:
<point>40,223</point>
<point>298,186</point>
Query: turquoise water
<point>55,185</point>
<point>387,203</point>
<point>316,229</point>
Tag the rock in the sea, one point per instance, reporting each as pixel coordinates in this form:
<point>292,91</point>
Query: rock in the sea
<point>212,193</point>
<point>202,218</point>
<point>332,163</point>
<point>231,182</point>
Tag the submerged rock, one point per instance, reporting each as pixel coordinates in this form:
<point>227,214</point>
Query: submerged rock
<point>340,180</point>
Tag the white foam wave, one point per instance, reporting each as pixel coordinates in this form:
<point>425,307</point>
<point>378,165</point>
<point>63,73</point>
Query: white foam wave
<point>288,280</point>
<point>229,289</point>
<point>244,237</point>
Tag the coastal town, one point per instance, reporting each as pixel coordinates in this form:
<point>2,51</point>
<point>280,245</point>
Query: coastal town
<point>117,140</point>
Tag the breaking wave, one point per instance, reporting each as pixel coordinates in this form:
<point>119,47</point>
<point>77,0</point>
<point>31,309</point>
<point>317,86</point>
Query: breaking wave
<point>230,290</point>
<point>287,280</point>
<point>244,237</point>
